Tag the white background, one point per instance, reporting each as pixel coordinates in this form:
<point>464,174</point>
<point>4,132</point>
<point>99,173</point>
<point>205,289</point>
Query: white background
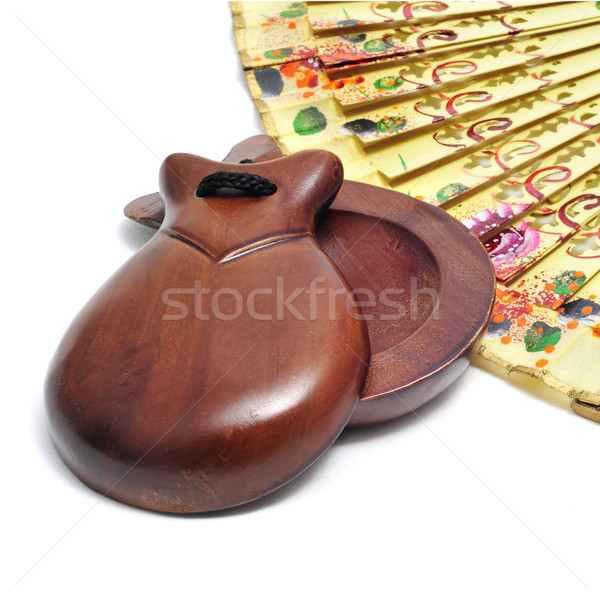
<point>490,491</point>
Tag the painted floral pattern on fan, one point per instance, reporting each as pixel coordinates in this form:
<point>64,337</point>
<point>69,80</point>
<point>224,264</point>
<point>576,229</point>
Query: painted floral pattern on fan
<point>490,110</point>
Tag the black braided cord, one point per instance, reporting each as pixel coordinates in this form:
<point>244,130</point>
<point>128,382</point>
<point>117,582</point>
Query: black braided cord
<point>254,185</point>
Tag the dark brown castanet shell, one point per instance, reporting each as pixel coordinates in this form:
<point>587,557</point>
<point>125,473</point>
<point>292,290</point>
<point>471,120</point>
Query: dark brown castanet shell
<point>224,357</point>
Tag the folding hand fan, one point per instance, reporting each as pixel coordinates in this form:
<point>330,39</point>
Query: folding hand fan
<point>490,110</point>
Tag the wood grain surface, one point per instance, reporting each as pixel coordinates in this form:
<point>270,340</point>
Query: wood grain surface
<point>224,357</point>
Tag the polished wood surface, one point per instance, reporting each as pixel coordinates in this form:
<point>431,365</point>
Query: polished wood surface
<point>224,357</point>
<point>383,241</point>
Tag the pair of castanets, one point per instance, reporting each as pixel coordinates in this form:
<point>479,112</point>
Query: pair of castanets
<point>230,351</point>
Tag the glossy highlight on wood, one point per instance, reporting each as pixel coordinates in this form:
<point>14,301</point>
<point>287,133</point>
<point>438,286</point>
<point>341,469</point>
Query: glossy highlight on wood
<point>195,380</point>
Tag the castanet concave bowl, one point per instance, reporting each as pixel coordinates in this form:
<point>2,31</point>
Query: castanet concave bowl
<point>438,289</point>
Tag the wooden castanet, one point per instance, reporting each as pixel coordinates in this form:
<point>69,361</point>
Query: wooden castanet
<point>224,357</point>
<point>422,337</point>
